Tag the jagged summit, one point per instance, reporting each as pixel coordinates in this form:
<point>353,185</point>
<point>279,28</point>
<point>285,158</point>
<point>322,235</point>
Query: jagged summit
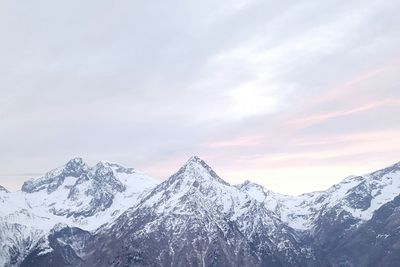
<point>195,158</point>
<point>196,182</point>
<point>55,178</point>
<point>117,167</point>
<point>77,172</point>
<point>80,191</point>
<point>197,169</point>
<point>76,165</point>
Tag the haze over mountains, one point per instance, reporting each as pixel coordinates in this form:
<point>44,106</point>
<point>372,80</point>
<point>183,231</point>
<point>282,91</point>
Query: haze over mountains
<point>110,215</point>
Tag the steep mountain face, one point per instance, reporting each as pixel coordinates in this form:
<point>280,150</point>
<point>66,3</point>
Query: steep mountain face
<point>356,198</point>
<point>353,203</point>
<point>16,241</point>
<point>77,190</point>
<point>84,191</point>
<point>62,247</point>
<point>79,195</point>
<point>74,194</point>
<point>187,220</point>
<point>195,218</point>
<point>374,243</point>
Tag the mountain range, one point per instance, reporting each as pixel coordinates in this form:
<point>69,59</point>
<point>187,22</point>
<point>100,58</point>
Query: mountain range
<point>110,215</point>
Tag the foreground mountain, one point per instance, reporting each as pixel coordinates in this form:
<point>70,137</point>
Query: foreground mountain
<point>374,243</point>
<point>101,216</point>
<point>196,218</point>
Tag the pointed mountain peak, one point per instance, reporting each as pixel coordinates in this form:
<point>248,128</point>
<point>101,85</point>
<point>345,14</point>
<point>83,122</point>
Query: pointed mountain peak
<point>103,170</point>
<point>194,182</point>
<point>52,180</point>
<point>194,172</point>
<point>195,160</point>
<point>75,161</point>
<point>197,169</point>
<point>75,166</point>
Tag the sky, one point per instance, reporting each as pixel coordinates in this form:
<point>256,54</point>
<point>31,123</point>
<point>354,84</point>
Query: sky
<point>293,95</point>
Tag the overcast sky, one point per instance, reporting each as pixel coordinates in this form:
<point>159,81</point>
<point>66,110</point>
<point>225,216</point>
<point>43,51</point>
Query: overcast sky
<point>294,95</point>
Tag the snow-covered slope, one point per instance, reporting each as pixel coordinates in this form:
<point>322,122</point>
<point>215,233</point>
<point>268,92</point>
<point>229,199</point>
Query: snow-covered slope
<point>359,196</point>
<point>75,194</point>
<point>192,218</point>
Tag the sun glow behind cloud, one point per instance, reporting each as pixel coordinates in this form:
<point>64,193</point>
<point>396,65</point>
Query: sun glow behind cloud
<point>250,100</point>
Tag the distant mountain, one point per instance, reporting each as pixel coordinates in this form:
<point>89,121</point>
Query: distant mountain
<point>74,194</point>
<point>108,215</point>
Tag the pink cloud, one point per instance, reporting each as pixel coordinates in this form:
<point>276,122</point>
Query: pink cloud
<point>354,137</point>
<point>334,114</point>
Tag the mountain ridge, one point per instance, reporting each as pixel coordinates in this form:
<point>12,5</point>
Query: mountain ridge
<point>230,225</point>
<point>74,194</point>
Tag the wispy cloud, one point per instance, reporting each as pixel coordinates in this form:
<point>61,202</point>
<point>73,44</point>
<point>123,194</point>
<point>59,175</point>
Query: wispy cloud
<point>335,114</point>
<point>251,86</point>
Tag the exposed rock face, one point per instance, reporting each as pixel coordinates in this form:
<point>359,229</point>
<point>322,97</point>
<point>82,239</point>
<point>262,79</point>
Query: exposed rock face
<point>190,219</point>
<point>52,180</point>
<point>98,185</point>
<point>74,194</point>
<point>62,247</point>
<point>374,243</point>
<point>195,218</point>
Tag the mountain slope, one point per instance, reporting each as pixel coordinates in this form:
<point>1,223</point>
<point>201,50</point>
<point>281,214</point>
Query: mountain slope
<point>74,194</point>
<point>357,196</point>
<point>374,243</point>
<point>195,218</point>
<point>79,192</point>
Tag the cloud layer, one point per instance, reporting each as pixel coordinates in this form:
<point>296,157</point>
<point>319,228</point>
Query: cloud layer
<point>292,95</point>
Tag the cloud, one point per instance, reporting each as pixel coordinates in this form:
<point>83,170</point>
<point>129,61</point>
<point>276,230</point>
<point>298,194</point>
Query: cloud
<point>150,84</point>
<point>241,141</point>
<point>335,114</point>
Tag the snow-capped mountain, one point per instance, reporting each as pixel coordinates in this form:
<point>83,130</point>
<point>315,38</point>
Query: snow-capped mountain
<point>86,195</point>
<point>74,194</point>
<point>357,196</point>
<point>195,216</point>
<point>108,215</point>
